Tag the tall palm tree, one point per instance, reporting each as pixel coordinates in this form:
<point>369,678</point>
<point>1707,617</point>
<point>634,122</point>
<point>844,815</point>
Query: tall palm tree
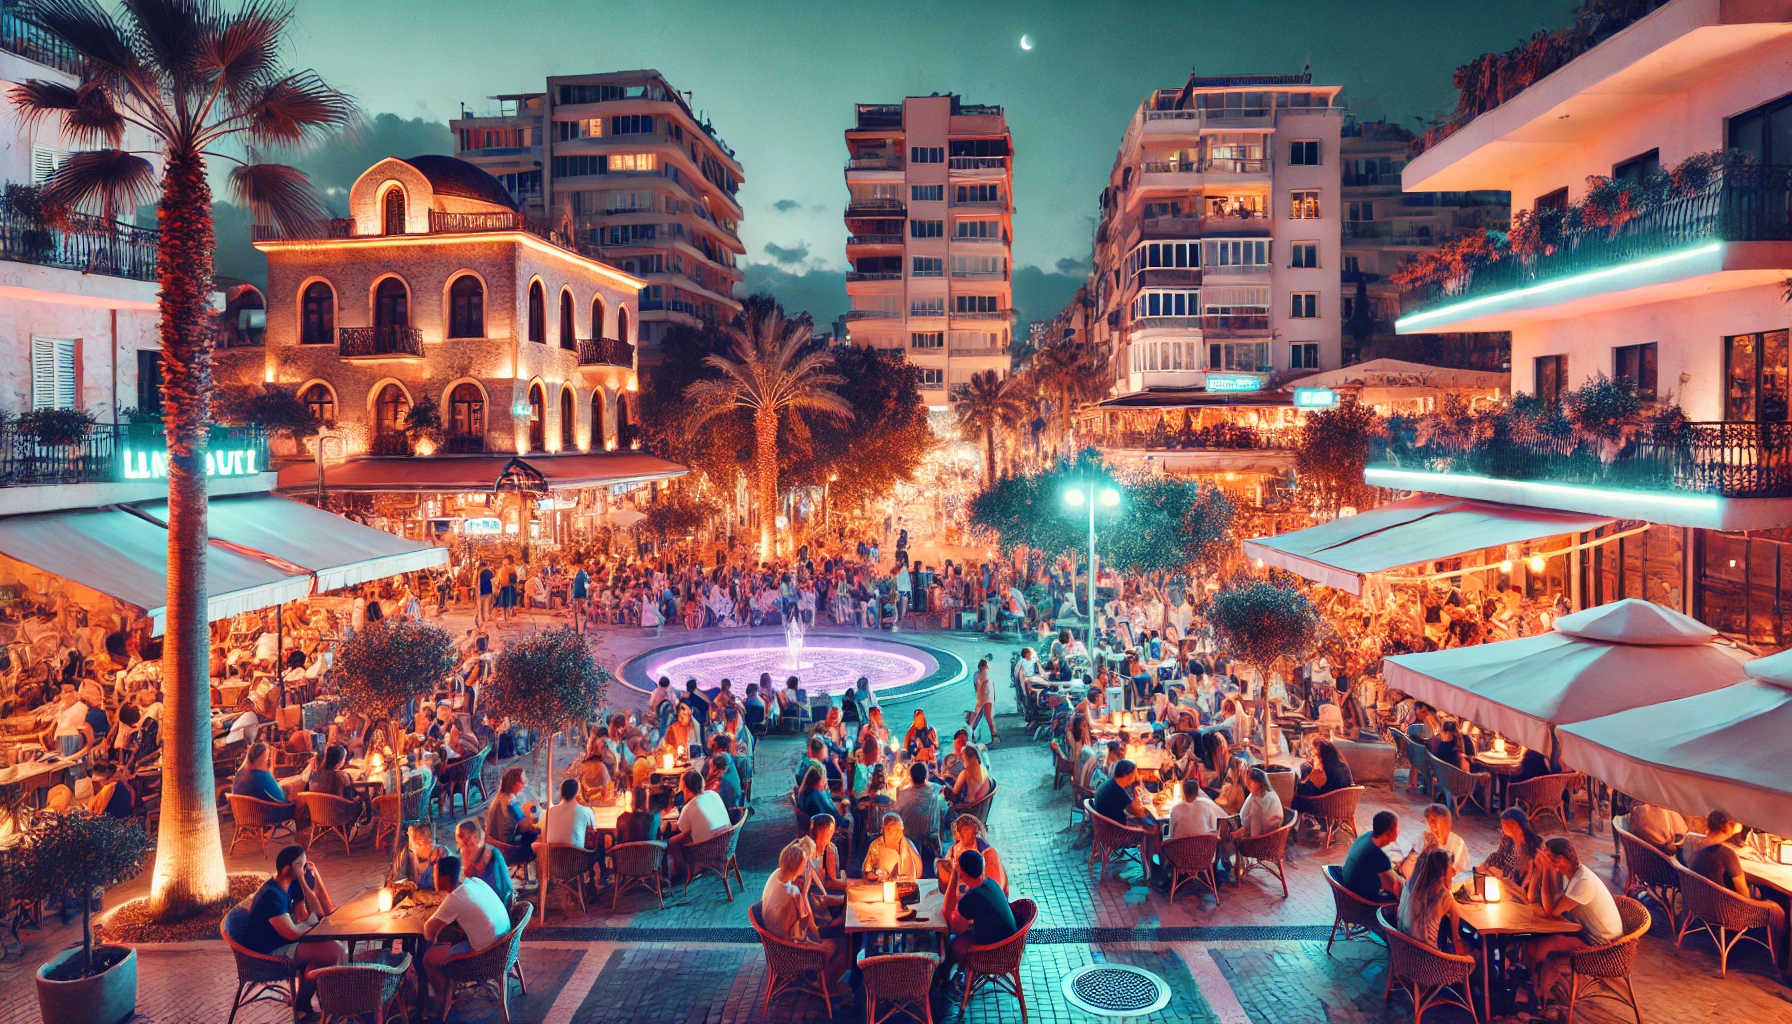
<point>772,370</point>
<point>986,405</point>
<point>197,80</point>
<point>1069,373</point>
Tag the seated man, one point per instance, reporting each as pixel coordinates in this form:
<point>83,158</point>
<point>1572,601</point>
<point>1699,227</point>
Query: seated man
<point>976,910</point>
<point>255,779</point>
<point>470,918</point>
<point>568,821</point>
<point>1717,860</point>
<point>1367,870</point>
<point>703,816</point>
<point>1117,800</point>
<point>1566,888</point>
<point>286,907</point>
<point>1660,827</point>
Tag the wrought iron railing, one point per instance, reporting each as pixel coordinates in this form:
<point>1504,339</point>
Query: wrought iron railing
<point>992,314</point>
<point>106,453</point>
<point>1219,437</point>
<point>874,240</point>
<point>33,43</point>
<point>606,352</point>
<point>874,275</point>
<point>874,163</point>
<point>92,246</point>
<point>388,340</point>
<point>874,205</point>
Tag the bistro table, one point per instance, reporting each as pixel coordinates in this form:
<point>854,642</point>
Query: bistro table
<point>1502,765</point>
<point>1769,875</point>
<point>361,920</point>
<point>1507,917</point>
<point>866,912</point>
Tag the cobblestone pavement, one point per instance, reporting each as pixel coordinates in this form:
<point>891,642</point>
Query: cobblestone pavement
<point>1255,958</point>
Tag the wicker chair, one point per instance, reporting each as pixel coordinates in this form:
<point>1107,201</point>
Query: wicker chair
<point>1598,970</point>
<point>1080,798</point>
<point>791,967</point>
<point>1542,795</point>
<point>259,977</point>
<point>1111,837</point>
<point>564,868</point>
<point>901,980</point>
<point>1649,872</point>
<point>712,856</point>
<point>1334,812</point>
<point>1401,758</point>
<point>1355,915</point>
<point>260,820</point>
<point>517,857</point>
<point>450,780</point>
<point>997,965</point>
<point>1190,859</point>
<point>475,778</point>
<point>395,813</point>
<point>1063,770</point>
<point>633,864</point>
<point>1464,788</point>
<point>1429,975</point>
<point>1267,852</point>
<point>1728,917</point>
<point>1418,772</point>
<point>332,815</point>
<point>350,992</point>
<point>980,809</point>
<point>494,965</point>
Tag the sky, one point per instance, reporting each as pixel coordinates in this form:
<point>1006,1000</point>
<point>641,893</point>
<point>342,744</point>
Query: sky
<point>779,81</point>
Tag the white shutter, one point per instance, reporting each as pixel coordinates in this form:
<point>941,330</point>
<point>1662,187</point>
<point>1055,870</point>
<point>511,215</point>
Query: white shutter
<point>52,373</point>
<point>43,164</point>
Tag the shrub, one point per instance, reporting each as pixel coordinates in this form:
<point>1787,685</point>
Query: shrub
<point>387,664</point>
<point>391,443</point>
<point>1603,406</point>
<point>69,857</point>
<point>56,428</point>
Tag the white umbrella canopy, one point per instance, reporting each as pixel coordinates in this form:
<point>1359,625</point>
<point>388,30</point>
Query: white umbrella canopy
<point>623,517</point>
<point>1598,662</point>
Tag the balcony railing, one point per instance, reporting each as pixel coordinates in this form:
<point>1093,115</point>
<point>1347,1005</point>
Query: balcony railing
<point>875,207</point>
<point>1746,204</point>
<point>1144,323</point>
<point>1222,325</point>
<point>96,458</point>
<point>390,340</point>
<point>1221,437</point>
<point>998,314</point>
<point>441,223</point>
<point>874,240</point>
<point>873,275</point>
<point>871,314</point>
<point>1236,165</point>
<point>1732,460</point>
<point>983,204</point>
<point>1175,275</point>
<point>94,247</point>
<point>874,163</point>
<point>1168,226</point>
<point>979,351</point>
<point>979,275</point>
<point>977,163</point>
<point>606,352</point>
<point>33,43</point>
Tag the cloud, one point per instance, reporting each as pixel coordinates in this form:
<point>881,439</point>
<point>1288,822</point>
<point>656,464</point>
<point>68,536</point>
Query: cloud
<point>786,205</point>
<point>1072,267</point>
<point>793,254</point>
<point>820,293</point>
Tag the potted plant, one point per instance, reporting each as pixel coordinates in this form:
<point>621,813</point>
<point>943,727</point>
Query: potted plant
<point>72,857</point>
<point>546,681</point>
<point>1260,624</point>
<point>56,428</point>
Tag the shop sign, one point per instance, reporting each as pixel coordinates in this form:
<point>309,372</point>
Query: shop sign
<point>618,490</point>
<point>1233,383</point>
<point>153,465</point>
<point>482,526</point>
<point>1315,398</point>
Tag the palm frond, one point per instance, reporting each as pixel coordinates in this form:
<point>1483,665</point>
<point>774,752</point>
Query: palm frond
<point>36,100</point>
<point>280,194</point>
<point>243,52</point>
<point>824,402</point>
<point>94,120</point>
<point>86,28</point>
<point>109,178</point>
<point>293,109</point>
<point>170,35</point>
<point>707,400</point>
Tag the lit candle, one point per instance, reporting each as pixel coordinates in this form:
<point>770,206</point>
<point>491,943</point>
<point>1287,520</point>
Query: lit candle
<point>1499,745</point>
<point>666,762</point>
<point>385,901</point>
<point>1493,889</point>
<point>889,892</point>
<point>1785,851</point>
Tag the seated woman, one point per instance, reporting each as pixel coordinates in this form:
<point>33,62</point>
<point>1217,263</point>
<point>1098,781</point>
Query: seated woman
<point>1325,771</point>
<point>922,743</point>
<point>330,777</point>
<point>866,761</point>
<point>974,783</point>
<point>968,833</point>
<point>875,727</point>
<point>415,864</point>
<point>1514,859</point>
<point>1428,912</point>
<point>1234,787</point>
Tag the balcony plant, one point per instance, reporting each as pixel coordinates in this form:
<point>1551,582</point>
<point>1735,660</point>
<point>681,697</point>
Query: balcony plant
<point>1603,407</point>
<point>56,428</point>
<point>72,858</point>
<point>24,206</point>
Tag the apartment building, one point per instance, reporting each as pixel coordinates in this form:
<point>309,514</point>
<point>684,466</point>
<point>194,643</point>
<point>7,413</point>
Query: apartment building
<point>930,224</point>
<point>1216,256</point>
<point>623,163</point>
<point>1675,283</point>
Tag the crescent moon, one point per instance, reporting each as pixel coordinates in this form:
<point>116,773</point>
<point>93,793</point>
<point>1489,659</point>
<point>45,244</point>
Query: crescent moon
<point>1025,43</point>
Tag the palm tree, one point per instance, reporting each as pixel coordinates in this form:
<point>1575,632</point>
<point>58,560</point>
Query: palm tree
<point>771,371</point>
<point>194,78</point>
<point>986,405</point>
<point>1069,373</point>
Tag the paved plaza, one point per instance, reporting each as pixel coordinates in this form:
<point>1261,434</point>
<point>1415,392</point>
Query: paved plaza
<point>1254,958</point>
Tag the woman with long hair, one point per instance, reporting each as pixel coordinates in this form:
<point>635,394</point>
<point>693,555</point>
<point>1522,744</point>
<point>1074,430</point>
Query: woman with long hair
<point>1426,907</point>
<point>1519,843</point>
<point>922,742</point>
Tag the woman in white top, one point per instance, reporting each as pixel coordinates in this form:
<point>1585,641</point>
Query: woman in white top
<point>986,702</point>
<point>1262,811</point>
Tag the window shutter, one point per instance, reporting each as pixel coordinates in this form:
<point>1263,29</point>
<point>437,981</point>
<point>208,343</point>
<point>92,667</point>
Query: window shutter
<point>52,373</point>
<point>44,162</point>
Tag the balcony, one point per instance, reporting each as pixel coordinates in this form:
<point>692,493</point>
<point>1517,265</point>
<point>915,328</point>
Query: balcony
<point>981,204</point>
<point>874,275</point>
<point>879,115</point>
<point>1235,325</point>
<point>1170,227</point>
<point>999,314</point>
<point>874,163</point>
<point>97,456</point>
<point>34,44</point>
<point>1175,275</point>
<point>978,351</point>
<point>978,275</point>
<point>388,342</point>
<point>606,352</point>
<point>876,208</point>
<point>1235,165</point>
<point>1146,323</point>
<point>440,223</point>
<point>976,164</point>
<point>871,314</point>
<point>874,240</point>
<point>94,247</point>
<point>1220,437</point>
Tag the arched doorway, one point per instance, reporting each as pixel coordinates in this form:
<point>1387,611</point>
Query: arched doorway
<point>622,324</point>
<point>597,318</point>
<point>466,419</point>
<point>389,410</point>
<point>597,420</point>
<point>538,414</point>
<point>568,334</point>
<point>625,421</point>
<point>569,421</point>
<point>392,219</point>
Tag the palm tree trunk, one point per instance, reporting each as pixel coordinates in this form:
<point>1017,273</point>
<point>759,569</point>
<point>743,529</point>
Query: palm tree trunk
<point>189,869</point>
<point>989,451</point>
<point>765,466</point>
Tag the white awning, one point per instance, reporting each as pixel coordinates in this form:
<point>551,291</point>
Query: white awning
<point>341,553</point>
<point>1409,532</point>
<point>125,557</point>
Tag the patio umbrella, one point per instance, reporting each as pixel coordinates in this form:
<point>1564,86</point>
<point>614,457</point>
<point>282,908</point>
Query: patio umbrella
<point>1598,662</point>
<point>626,518</point>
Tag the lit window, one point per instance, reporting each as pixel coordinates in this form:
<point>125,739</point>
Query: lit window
<point>1305,204</point>
<point>631,161</point>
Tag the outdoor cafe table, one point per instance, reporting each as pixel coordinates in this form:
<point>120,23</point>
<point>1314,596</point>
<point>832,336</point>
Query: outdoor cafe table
<point>1769,875</point>
<point>1502,766</point>
<point>360,920</point>
<point>866,911</point>
<point>1508,917</point>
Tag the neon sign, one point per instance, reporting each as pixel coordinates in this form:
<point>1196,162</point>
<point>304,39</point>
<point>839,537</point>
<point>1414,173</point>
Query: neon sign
<point>1315,398</point>
<point>153,465</point>
<point>1233,384</point>
<point>482,526</point>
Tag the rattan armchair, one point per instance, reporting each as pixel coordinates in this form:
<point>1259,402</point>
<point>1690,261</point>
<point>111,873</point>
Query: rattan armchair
<point>564,869</point>
<point>633,864</point>
<point>475,778</point>
<point>712,856</point>
<point>260,977</point>
<point>1191,859</point>
<point>450,780</point>
<point>1649,872</point>
<point>1727,916</point>
<point>1463,787</point>
<point>494,965</point>
<point>1418,772</point>
<point>1111,838</point>
<point>791,966</point>
<point>1401,757</point>
<point>1063,769</point>
<point>1080,798</point>
<point>979,809</point>
<point>1598,970</point>
<point>256,820</point>
<point>997,965</point>
<point>395,813</point>
<point>903,981</point>
<point>1542,795</point>
<point>1429,975</point>
<point>332,815</point>
<point>1355,917</point>
<point>352,991</point>
<point>1334,812</point>
<point>1267,852</point>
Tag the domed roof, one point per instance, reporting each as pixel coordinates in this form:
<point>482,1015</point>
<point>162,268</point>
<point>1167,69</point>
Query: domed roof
<point>451,176</point>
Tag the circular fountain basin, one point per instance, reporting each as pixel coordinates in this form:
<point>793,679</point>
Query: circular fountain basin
<point>826,664</point>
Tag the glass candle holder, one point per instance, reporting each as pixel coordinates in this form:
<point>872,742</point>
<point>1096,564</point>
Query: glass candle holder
<point>385,901</point>
<point>1493,889</point>
<point>889,892</point>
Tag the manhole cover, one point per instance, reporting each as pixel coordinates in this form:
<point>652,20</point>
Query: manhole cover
<point>1116,990</point>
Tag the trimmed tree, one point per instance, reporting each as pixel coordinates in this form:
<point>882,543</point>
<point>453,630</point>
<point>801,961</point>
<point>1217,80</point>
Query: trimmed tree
<point>1167,524</point>
<point>547,680</point>
<point>389,663</point>
<point>1259,624</point>
<point>71,856</point>
<point>1332,452</point>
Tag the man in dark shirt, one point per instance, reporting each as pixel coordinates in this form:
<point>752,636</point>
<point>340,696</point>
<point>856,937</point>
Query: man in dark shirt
<point>1115,800</point>
<point>286,907</point>
<point>699,703</point>
<point>978,916</point>
<point>1716,859</point>
<point>1367,870</point>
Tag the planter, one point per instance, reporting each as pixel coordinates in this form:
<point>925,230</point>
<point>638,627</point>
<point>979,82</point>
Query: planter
<point>106,998</point>
<point>1281,779</point>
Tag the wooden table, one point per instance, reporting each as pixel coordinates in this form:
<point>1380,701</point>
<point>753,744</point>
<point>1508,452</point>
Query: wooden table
<point>1507,917</point>
<point>867,912</point>
<point>360,920</point>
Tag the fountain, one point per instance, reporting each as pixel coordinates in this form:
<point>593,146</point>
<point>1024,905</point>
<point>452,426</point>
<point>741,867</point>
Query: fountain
<point>825,663</point>
<point>793,643</point>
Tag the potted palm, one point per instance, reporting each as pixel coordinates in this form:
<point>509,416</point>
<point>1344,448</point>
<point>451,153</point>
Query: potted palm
<point>72,857</point>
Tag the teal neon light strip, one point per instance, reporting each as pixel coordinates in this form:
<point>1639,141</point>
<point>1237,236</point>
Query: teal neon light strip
<point>1548,286</point>
<point>1422,481</point>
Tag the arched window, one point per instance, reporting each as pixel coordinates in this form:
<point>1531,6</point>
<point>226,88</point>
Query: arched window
<point>569,338</point>
<point>466,419</point>
<point>597,419</point>
<point>393,223</point>
<point>389,410</point>
<point>317,320</point>
<point>466,308</point>
<point>321,402</point>
<point>622,325</point>
<point>391,304</point>
<point>569,421</point>
<point>625,421</point>
<point>538,313</point>
<point>537,419</point>
<point>597,317</point>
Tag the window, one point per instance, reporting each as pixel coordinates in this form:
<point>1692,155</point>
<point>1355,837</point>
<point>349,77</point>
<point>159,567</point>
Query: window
<point>976,304</point>
<point>581,128</point>
<point>466,419</point>
<point>569,338</point>
<point>538,415</point>
<point>1303,305</point>
<point>1359,210</point>
<point>1557,200</point>
<point>1162,302</point>
<point>980,147</point>
<point>44,162</point>
<point>927,339</point>
<point>631,161</point>
<point>1239,356</point>
<point>932,378</point>
<point>1304,153</point>
<point>1220,253</point>
<point>927,193</point>
<point>1550,378</point>
<point>927,154</point>
<point>391,304</point>
<point>317,316</point>
<point>927,266</point>
<point>393,222</point>
<point>538,313</point>
<point>1306,255</point>
<point>521,183</point>
<point>597,418</point>
<point>1764,133</point>
<point>1755,377</point>
<point>1303,355</point>
<point>466,308</point>
<point>1351,266</point>
<point>977,194</point>
<point>579,166</point>
<point>1169,208</point>
<point>927,307</point>
<point>1637,362</point>
<point>1638,168</point>
<point>622,331</point>
<point>321,402</point>
<point>597,317</point>
<point>631,124</point>
<point>1305,204</point>
<point>569,421</point>
<point>389,410</point>
<point>149,381</point>
<point>977,266</point>
<point>962,340</point>
<point>926,228</point>
<point>632,234</point>
<point>977,229</point>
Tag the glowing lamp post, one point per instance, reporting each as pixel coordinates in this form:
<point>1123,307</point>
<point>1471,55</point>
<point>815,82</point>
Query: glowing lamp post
<point>1090,495</point>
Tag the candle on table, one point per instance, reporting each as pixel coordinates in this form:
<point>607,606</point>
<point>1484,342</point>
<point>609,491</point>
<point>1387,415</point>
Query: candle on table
<point>1493,889</point>
<point>889,892</point>
<point>385,900</point>
<point>666,762</point>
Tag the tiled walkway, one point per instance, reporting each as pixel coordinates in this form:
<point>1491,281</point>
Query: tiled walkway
<point>1254,959</point>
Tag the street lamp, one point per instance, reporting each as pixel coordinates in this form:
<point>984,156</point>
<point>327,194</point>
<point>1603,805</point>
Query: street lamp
<point>1090,495</point>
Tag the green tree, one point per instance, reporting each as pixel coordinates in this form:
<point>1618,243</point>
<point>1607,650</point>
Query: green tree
<point>548,680</point>
<point>275,408</point>
<point>72,857</point>
<point>389,663</point>
<point>1068,374</point>
<point>984,407</point>
<point>1332,452</point>
<point>889,437</point>
<point>1166,524</point>
<point>1260,623</point>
